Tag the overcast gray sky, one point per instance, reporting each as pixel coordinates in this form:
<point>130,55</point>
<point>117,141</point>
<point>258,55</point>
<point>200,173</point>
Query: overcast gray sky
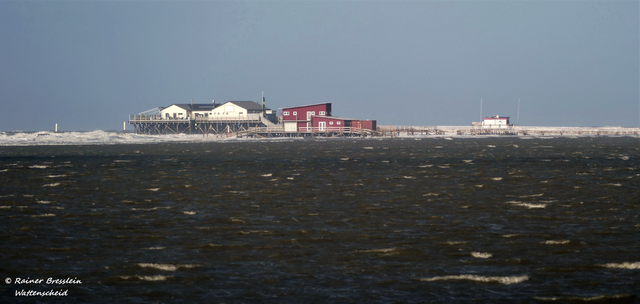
<point>88,65</point>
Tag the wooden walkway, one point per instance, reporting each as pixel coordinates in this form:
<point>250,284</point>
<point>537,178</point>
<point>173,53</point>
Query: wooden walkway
<point>278,131</point>
<point>511,130</point>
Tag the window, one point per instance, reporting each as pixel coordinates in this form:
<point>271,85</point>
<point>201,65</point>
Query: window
<point>313,112</point>
<point>239,113</point>
<point>322,125</point>
<point>295,113</point>
<point>322,113</point>
<point>285,113</point>
<point>338,122</point>
<point>331,123</point>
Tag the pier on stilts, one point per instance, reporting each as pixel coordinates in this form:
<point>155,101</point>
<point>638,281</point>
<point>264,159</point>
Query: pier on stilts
<point>257,126</point>
<point>159,126</point>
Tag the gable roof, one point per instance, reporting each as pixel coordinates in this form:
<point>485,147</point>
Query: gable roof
<point>195,106</point>
<point>334,117</point>
<point>249,105</point>
<point>316,104</point>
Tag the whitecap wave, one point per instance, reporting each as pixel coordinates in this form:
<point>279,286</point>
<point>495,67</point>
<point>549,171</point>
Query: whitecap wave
<point>532,195</point>
<point>146,278</point>
<point>617,298</point>
<point>477,278</point>
<point>558,242</point>
<point>481,255</point>
<point>383,250</point>
<point>167,267</point>
<point>528,205</point>
<point>625,265</point>
<point>98,138</point>
<point>454,243</point>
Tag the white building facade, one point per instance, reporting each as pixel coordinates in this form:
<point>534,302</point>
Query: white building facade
<point>495,122</point>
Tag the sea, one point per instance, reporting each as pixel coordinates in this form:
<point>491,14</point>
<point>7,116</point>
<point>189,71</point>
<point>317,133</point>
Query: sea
<point>111,217</point>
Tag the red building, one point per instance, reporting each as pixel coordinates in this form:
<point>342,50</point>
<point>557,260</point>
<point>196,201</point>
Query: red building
<point>337,124</point>
<point>298,119</point>
<point>330,124</point>
<point>365,124</point>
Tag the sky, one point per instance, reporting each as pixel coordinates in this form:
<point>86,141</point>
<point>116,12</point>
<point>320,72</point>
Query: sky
<point>87,65</point>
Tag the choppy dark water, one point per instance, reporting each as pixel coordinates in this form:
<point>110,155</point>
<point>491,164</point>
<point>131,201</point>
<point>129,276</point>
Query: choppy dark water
<point>393,220</point>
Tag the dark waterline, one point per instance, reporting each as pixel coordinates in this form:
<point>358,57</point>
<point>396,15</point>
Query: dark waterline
<point>406,220</point>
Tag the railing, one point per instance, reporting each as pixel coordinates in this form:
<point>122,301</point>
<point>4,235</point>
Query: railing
<point>247,117</point>
<point>319,130</point>
<point>144,117</point>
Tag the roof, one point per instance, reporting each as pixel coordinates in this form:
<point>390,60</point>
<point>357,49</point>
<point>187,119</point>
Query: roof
<point>336,118</point>
<point>317,104</point>
<point>195,106</point>
<point>249,105</point>
<point>493,118</point>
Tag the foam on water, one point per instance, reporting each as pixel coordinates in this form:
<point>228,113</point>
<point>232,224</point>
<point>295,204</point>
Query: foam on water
<point>530,206</point>
<point>532,195</point>
<point>167,267</point>
<point>617,298</point>
<point>383,250</point>
<point>99,138</point>
<point>556,242</point>
<point>146,278</point>
<point>481,255</point>
<point>625,265</point>
<point>477,278</point>
<point>454,242</point>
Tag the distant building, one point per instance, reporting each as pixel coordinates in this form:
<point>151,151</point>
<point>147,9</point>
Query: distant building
<point>298,119</point>
<point>184,111</point>
<point>495,122</point>
<point>230,110</point>
<point>337,124</point>
<point>238,109</point>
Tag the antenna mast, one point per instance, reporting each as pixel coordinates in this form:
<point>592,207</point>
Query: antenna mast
<point>518,121</point>
<point>480,110</point>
